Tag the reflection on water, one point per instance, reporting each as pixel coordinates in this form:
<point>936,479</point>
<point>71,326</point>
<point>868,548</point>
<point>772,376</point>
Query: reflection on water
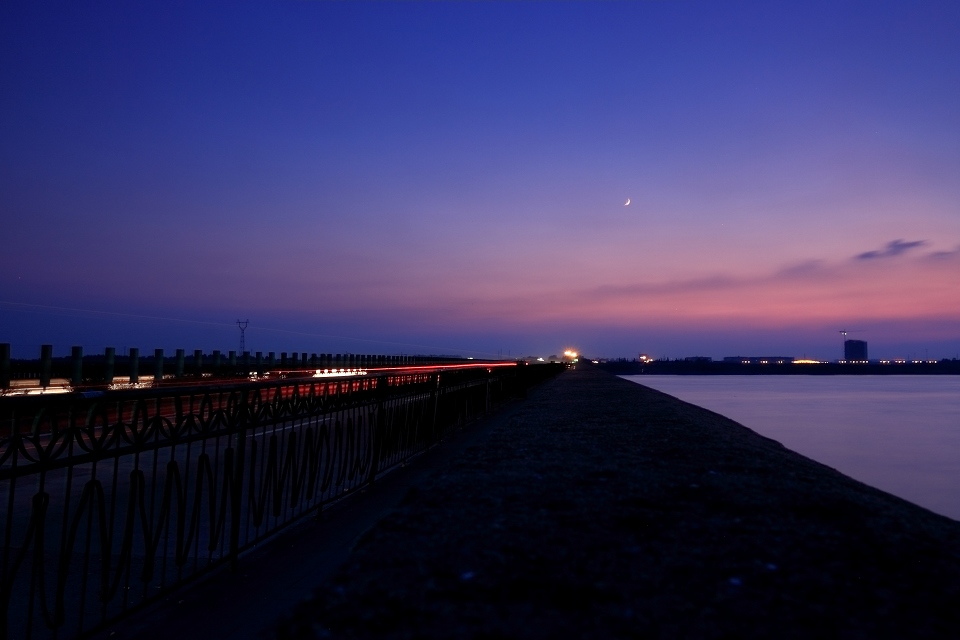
<point>897,433</point>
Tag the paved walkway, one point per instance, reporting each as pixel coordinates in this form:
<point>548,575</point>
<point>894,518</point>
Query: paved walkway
<point>599,508</point>
<point>286,570</point>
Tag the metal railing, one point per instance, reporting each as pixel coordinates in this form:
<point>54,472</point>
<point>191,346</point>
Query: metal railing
<point>114,500</point>
<point>133,369</point>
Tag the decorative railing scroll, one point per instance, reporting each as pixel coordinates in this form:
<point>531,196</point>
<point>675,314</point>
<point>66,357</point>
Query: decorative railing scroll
<point>113,500</point>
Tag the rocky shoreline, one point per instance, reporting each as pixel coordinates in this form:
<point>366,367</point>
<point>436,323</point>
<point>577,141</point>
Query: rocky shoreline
<point>602,508</point>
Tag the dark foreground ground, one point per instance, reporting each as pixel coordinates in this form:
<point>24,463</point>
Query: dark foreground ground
<point>605,509</point>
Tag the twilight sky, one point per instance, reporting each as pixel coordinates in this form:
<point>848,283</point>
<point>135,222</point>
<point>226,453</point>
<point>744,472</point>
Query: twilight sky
<point>450,177</point>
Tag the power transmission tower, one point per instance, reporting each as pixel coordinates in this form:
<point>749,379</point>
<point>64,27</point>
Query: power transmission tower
<point>243,342</point>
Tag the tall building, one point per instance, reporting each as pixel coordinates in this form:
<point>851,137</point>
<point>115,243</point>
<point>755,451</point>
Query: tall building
<point>855,350</point>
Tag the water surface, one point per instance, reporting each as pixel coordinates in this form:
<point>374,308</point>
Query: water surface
<point>897,433</point>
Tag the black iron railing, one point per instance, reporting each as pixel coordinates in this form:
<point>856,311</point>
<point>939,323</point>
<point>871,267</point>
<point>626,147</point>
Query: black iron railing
<point>114,500</point>
<point>132,368</point>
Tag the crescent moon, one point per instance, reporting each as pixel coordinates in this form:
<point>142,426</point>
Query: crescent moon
<point>627,203</point>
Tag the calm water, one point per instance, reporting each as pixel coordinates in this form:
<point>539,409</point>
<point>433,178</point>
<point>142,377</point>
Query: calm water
<point>897,433</point>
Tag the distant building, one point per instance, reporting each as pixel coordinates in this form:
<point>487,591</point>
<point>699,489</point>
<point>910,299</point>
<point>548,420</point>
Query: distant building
<point>698,359</point>
<point>760,359</point>
<point>855,350</point>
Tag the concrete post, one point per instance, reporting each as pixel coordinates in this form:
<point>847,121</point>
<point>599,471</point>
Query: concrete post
<point>271,359</point>
<point>259,363</point>
<point>313,361</point>
<point>46,364</point>
<point>4,365</point>
<point>294,362</point>
<point>134,365</point>
<point>109,359</point>
<point>337,362</point>
<point>180,362</point>
<point>198,363</point>
<point>283,359</point>
<point>76,357</point>
<point>246,363</point>
<point>216,360</point>
<point>158,366</point>
<point>232,362</point>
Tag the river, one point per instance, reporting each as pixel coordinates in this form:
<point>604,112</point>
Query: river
<point>897,433</point>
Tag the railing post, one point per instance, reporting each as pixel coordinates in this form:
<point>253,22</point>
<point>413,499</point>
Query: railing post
<point>259,363</point>
<point>198,363</point>
<point>46,364</point>
<point>216,361</point>
<point>434,430</point>
<point>236,498</point>
<point>487,385</point>
<point>134,365</point>
<point>379,428</point>
<point>157,366</point>
<point>76,357</point>
<point>109,360</point>
<point>181,355</point>
<point>4,365</point>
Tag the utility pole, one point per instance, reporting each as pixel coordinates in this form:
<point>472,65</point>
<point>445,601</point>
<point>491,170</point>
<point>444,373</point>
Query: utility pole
<point>243,327</point>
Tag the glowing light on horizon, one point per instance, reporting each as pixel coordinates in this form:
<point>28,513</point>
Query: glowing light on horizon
<point>331,373</point>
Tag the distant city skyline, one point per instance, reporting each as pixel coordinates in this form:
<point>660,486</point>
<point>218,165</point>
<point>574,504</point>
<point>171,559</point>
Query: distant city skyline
<point>451,177</point>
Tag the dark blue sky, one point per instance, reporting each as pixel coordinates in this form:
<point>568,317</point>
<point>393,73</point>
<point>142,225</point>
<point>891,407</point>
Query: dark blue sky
<point>453,175</point>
